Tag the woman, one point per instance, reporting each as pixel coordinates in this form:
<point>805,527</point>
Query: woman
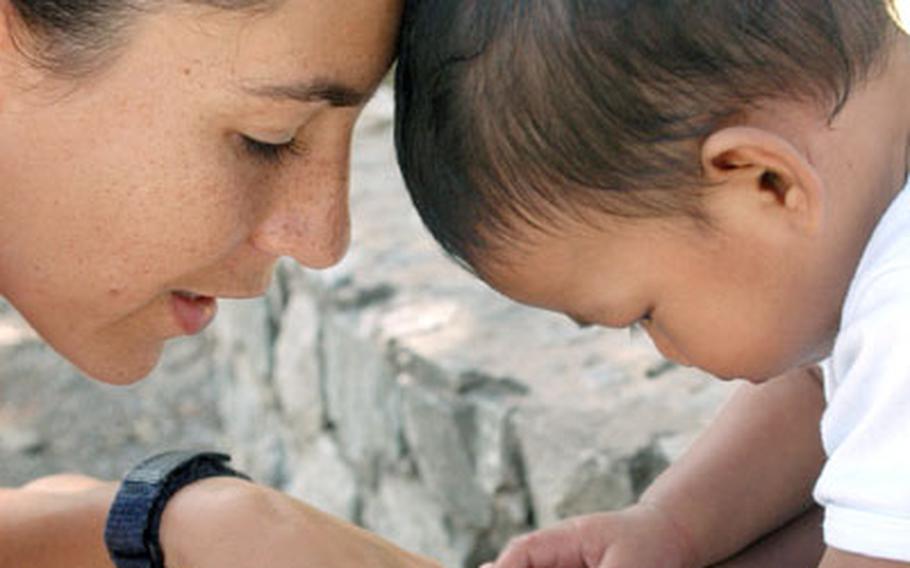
<point>156,155</point>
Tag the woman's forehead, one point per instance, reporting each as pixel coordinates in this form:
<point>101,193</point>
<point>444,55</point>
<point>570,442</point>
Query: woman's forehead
<point>353,39</point>
<point>324,41</point>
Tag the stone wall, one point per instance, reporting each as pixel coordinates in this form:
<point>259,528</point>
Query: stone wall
<point>396,391</point>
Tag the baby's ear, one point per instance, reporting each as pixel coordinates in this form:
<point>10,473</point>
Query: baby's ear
<point>769,172</point>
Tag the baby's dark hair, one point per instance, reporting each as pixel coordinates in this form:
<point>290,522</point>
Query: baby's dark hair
<point>72,38</point>
<point>514,112</point>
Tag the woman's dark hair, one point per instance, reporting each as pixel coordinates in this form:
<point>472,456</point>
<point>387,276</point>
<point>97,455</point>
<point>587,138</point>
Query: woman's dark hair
<point>74,37</point>
<point>522,110</point>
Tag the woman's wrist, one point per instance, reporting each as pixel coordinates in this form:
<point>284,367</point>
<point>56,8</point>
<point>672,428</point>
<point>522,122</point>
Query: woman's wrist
<point>186,523</point>
<point>132,532</point>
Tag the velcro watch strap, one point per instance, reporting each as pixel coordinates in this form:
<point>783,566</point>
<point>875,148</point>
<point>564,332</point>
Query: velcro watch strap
<point>131,533</point>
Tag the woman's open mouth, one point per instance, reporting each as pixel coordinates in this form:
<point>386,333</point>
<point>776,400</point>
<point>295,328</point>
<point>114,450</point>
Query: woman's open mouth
<point>192,311</point>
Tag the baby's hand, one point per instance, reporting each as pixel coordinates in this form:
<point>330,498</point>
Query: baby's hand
<point>640,536</point>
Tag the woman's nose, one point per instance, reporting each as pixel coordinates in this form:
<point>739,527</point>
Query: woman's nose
<point>308,220</point>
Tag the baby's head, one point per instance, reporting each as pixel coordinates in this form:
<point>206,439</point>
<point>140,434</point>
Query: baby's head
<point>685,165</point>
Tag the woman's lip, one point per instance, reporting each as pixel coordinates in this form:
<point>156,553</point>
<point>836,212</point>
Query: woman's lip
<point>193,313</point>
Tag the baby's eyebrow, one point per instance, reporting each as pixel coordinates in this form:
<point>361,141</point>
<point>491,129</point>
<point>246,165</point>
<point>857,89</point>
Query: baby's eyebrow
<point>318,90</point>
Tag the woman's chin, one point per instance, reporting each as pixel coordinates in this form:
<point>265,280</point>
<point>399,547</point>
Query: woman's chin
<point>121,367</point>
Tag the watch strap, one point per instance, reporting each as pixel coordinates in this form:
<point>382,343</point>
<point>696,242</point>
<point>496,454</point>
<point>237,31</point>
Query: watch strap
<point>132,530</point>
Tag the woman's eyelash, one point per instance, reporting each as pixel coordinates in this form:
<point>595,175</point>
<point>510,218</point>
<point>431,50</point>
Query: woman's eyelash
<point>271,153</point>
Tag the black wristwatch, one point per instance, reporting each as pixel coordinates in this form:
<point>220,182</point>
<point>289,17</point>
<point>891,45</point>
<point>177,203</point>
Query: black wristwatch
<point>131,533</point>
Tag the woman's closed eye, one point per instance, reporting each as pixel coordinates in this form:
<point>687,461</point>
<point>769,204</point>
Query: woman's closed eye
<point>270,152</point>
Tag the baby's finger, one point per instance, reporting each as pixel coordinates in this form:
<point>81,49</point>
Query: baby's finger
<point>557,547</point>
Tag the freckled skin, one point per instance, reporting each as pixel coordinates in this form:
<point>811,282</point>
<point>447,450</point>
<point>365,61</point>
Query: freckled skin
<point>122,188</point>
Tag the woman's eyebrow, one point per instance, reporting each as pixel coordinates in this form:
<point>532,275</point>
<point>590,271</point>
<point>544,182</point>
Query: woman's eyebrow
<point>336,94</point>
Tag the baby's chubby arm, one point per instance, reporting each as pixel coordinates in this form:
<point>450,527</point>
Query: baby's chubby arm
<point>749,473</point>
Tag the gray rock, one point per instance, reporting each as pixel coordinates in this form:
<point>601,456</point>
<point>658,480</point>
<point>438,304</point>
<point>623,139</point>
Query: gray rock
<point>439,429</point>
<point>244,335</point>
<point>567,472</point>
<point>362,398</point>
<point>405,512</point>
<point>298,368</point>
<point>21,441</point>
<point>497,460</point>
<point>323,479</point>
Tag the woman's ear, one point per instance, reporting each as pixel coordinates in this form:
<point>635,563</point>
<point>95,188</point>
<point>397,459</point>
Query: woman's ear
<point>771,174</point>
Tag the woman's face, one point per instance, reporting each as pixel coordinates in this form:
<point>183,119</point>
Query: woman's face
<point>213,144</point>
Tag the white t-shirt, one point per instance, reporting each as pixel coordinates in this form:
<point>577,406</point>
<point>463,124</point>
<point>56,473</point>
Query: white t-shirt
<point>865,485</point>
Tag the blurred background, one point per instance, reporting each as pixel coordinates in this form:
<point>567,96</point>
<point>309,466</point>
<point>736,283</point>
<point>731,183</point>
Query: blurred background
<point>393,390</point>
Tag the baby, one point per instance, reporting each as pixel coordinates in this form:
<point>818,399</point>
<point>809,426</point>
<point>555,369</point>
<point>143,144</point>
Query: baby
<point>728,175</point>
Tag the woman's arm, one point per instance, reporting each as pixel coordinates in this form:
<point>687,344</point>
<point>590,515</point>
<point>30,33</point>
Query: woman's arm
<point>48,525</point>
<point>214,523</point>
<point>751,472</point>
